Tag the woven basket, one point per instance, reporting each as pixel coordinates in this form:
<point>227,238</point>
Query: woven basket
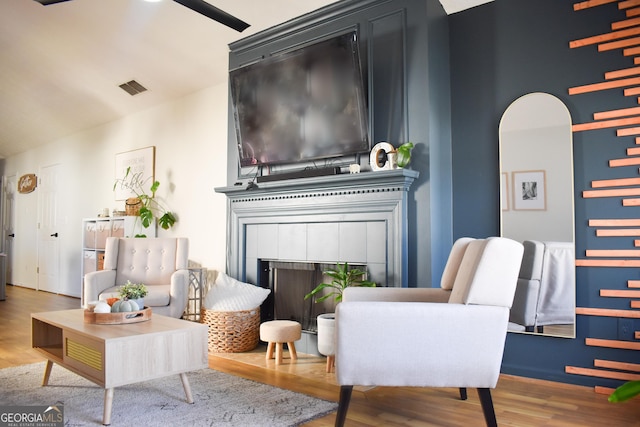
<point>232,331</point>
<point>132,206</point>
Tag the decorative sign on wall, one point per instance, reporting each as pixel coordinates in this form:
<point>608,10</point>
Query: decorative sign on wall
<point>142,170</point>
<point>27,183</point>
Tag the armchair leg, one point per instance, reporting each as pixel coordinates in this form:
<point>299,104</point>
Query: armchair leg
<point>343,405</point>
<point>463,393</point>
<point>487,407</point>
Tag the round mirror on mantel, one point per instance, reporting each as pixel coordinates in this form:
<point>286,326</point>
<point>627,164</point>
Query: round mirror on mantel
<point>537,209</point>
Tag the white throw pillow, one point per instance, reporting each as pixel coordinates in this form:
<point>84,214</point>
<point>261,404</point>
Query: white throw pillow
<point>229,294</point>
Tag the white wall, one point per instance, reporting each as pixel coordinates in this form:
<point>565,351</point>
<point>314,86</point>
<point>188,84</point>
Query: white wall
<point>190,136</point>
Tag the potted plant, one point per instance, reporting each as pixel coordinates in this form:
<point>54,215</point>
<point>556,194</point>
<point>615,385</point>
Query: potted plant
<point>404,154</point>
<point>133,292</point>
<point>625,392</point>
<point>343,277</point>
<point>150,206</point>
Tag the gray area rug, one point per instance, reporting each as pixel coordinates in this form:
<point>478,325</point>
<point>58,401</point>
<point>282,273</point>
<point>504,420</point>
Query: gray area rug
<point>220,400</point>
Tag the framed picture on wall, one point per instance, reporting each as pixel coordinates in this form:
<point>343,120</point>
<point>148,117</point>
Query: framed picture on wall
<point>529,190</point>
<point>504,191</point>
<point>142,163</point>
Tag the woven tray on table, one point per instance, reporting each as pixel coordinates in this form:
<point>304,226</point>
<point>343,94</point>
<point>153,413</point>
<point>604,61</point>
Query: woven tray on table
<point>232,331</point>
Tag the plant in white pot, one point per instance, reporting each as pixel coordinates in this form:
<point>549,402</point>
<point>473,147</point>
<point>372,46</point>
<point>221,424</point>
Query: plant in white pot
<point>342,277</point>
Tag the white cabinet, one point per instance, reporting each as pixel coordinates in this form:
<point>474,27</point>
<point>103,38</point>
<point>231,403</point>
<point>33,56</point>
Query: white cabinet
<point>94,237</point>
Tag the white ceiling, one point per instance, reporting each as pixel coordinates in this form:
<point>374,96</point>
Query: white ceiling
<point>61,65</point>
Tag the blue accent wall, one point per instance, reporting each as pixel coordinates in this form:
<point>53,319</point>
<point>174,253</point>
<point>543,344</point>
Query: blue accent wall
<point>499,52</point>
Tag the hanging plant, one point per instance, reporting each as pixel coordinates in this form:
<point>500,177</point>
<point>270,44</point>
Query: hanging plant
<point>150,207</point>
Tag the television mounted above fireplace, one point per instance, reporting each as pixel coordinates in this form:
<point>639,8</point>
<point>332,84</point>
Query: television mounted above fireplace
<point>301,105</point>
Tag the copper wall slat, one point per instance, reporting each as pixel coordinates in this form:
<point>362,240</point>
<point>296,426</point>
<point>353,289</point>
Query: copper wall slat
<point>614,222</point>
<point>604,85</point>
<point>626,4</point>
<point>606,37</point>
<point>626,72</point>
<point>628,131</point>
<point>602,115</point>
<point>634,263</point>
<point>601,373</point>
<point>597,342</point>
<point>631,161</point>
<point>611,193</point>
<point>617,182</point>
<point>619,44</point>
<point>608,312</point>
<point>623,366</point>
<point>619,293</point>
<point>590,3</point>
<point>612,253</point>
<point>606,124</point>
<point>618,232</point>
<point>626,23</point>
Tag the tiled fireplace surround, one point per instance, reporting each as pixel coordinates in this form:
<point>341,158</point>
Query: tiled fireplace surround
<point>355,218</point>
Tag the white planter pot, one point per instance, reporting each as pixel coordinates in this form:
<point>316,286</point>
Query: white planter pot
<point>326,334</point>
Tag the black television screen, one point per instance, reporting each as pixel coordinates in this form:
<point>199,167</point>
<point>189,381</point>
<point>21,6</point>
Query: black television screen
<point>305,104</point>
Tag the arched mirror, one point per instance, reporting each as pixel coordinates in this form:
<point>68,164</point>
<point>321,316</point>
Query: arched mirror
<point>536,197</point>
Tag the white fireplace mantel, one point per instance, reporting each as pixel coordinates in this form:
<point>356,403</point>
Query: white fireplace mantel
<point>356,218</point>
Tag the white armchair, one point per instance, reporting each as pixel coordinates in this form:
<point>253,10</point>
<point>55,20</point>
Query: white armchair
<point>399,337</point>
<point>159,263</point>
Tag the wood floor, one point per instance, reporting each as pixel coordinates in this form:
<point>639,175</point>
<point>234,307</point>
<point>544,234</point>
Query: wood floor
<point>518,401</point>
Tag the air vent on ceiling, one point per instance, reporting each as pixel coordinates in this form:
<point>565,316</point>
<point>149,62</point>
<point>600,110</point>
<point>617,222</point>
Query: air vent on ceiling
<point>132,87</point>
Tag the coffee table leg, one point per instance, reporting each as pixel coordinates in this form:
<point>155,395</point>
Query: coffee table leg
<point>47,373</point>
<point>187,387</point>
<point>108,402</point>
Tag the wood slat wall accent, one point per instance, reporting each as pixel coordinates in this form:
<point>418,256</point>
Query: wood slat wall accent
<point>625,23</point>
<point>617,182</point>
<point>613,252</point>
<point>587,194</point>
<point>628,3</point>
<point>624,162</point>
<point>604,85</point>
<point>606,124</point>
<point>619,293</point>
<point>599,363</point>
<point>604,37</point>
<point>608,312</point>
<point>601,373</point>
<point>622,36</point>
<point>617,113</point>
<point>608,263</point>
<point>628,132</point>
<point>614,222</point>
<point>591,3</point>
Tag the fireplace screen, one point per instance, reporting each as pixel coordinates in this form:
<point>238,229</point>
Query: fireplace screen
<point>290,282</point>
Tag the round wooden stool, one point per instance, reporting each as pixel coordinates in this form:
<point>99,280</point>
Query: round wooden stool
<point>278,332</point>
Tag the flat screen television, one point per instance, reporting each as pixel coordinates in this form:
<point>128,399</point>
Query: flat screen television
<point>301,105</point>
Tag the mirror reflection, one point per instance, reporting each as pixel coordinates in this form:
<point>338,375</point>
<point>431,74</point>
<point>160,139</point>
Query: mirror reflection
<point>536,178</point>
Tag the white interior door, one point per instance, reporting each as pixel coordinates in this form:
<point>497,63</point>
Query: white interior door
<point>48,229</point>
<point>9,222</point>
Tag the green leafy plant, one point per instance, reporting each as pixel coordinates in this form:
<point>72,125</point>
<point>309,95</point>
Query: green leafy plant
<point>151,207</point>
<point>404,154</point>
<point>625,392</point>
<point>132,290</point>
<point>343,277</point>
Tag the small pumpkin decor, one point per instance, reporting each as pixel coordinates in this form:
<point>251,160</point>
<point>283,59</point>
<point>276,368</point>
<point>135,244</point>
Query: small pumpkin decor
<point>131,295</point>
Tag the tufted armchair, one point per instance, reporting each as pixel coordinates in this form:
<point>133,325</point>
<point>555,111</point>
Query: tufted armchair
<point>159,263</point>
<point>452,336</point>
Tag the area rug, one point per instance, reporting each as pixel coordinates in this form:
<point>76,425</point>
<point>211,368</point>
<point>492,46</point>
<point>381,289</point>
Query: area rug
<point>220,400</point>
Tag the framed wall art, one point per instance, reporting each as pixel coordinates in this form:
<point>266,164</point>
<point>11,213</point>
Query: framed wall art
<point>142,163</point>
<point>529,190</point>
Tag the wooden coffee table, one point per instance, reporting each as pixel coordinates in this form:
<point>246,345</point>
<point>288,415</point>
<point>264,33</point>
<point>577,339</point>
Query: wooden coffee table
<point>116,355</point>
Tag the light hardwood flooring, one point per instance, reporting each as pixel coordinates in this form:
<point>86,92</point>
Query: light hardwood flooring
<point>518,401</point>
